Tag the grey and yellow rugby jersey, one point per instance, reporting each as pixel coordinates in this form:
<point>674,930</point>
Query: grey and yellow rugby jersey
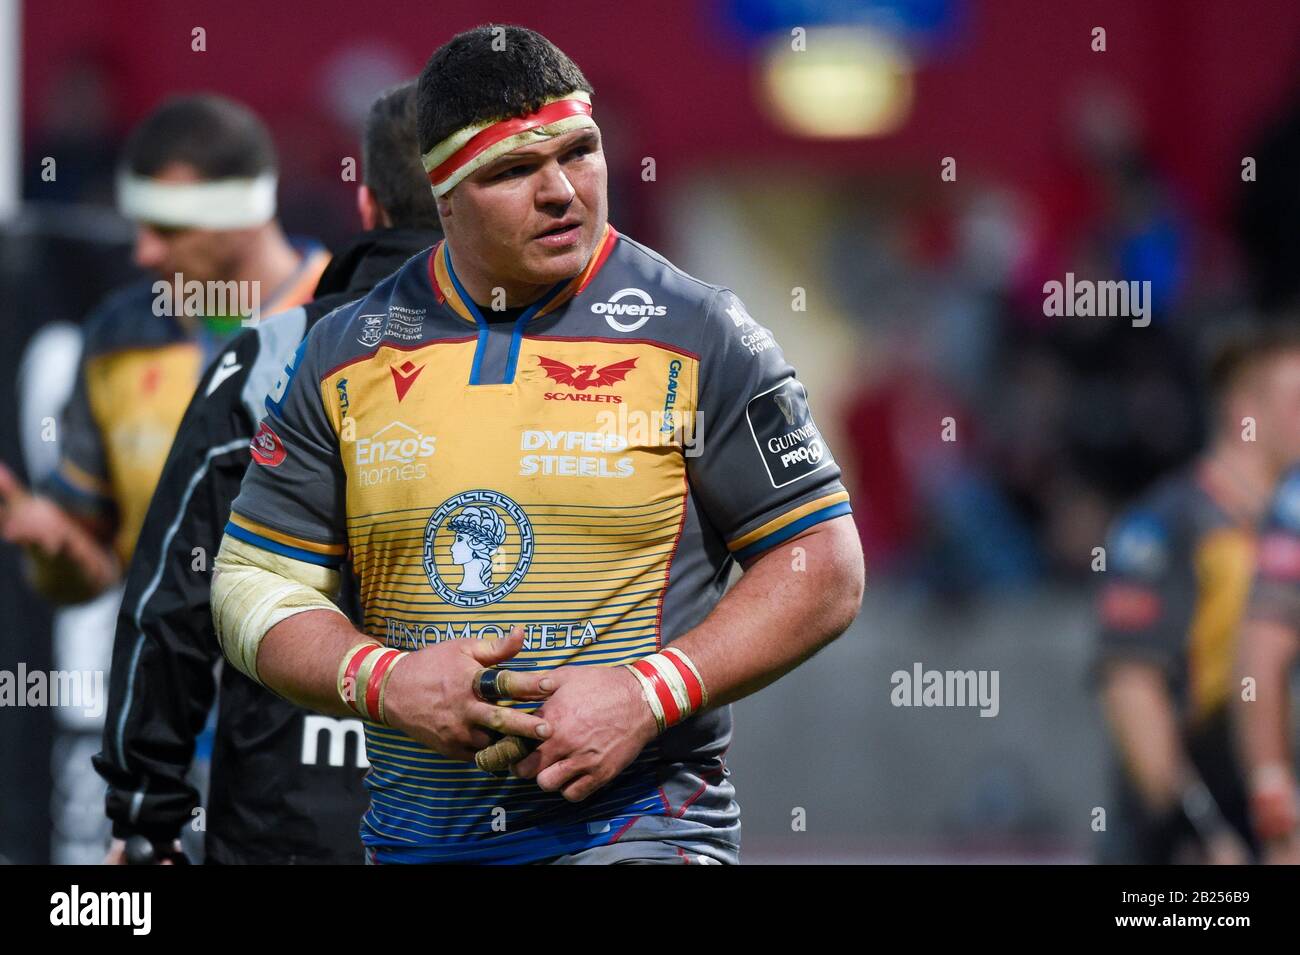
<point>589,472</point>
<point>1275,594</point>
<point>137,374</point>
<point>1175,590</point>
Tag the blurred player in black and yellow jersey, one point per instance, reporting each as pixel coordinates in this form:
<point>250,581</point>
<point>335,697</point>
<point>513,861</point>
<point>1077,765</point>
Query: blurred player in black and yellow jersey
<point>276,793</point>
<point>1268,646</point>
<point>1179,568</point>
<point>199,179</point>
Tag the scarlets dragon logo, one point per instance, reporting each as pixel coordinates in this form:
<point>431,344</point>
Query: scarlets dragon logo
<point>583,377</point>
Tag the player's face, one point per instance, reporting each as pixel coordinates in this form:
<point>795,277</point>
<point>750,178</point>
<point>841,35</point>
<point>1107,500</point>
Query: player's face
<point>534,216</point>
<point>201,255</point>
<point>1281,401</point>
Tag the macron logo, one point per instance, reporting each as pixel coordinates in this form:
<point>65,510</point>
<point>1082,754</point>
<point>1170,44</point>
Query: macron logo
<point>227,368</point>
<point>404,376</point>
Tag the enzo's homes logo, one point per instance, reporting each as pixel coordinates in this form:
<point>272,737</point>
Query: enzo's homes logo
<point>231,299</point>
<point>642,309</point>
<point>74,907</point>
<point>1085,298</point>
<point>922,687</point>
<point>83,688</point>
<point>393,453</point>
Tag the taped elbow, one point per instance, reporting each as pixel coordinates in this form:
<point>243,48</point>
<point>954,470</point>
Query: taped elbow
<point>254,589</point>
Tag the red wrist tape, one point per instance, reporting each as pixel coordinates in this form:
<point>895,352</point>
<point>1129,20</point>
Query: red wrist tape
<point>672,686</point>
<point>363,677</point>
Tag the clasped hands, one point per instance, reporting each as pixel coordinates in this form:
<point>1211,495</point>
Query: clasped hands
<point>593,720</point>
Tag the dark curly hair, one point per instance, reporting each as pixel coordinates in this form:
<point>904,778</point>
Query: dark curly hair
<point>489,73</point>
<point>218,137</point>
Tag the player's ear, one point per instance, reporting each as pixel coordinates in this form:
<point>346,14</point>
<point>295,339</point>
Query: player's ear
<point>368,208</point>
<point>444,205</point>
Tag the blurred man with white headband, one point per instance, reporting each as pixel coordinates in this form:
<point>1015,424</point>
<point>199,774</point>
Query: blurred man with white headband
<point>501,437</point>
<point>198,178</point>
<point>276,793</point>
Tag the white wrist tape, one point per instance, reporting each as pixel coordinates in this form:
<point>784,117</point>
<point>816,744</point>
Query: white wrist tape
<point>253,590</point>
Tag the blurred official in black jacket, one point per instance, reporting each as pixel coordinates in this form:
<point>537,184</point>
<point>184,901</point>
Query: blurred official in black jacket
<point>285,784</point>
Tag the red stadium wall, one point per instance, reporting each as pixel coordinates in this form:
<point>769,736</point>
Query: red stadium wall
<point>989,96</point>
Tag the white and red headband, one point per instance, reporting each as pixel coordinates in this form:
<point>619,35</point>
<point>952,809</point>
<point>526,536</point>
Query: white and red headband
<point>473,147</point>
<point>216,204</point>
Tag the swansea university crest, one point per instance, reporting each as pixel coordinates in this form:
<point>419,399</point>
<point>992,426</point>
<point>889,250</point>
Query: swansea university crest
<point>477,548</point>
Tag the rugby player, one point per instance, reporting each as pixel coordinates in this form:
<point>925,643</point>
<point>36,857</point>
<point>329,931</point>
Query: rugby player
<point>282,788</point>
<point>1269,642</point>
<point>1178,574</point>
<point>554,430</point>
<point>198,177</point>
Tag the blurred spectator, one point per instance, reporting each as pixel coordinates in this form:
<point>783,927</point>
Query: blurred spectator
<point>78,129</point>
<point>1268,213</point>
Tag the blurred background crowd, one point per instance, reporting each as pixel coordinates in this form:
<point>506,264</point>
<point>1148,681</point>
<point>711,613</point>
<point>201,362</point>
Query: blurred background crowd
<point>917,169</point>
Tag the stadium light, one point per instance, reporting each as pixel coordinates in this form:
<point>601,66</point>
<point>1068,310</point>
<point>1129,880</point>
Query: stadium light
<point>837,83</point>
